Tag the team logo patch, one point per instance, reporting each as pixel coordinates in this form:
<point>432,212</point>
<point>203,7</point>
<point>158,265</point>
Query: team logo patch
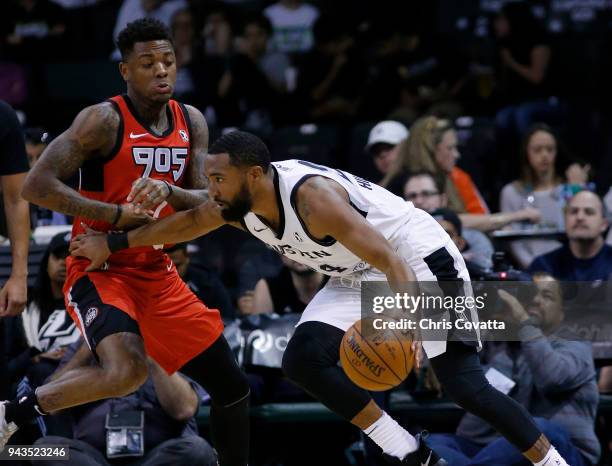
<point>90,315</point>
<point>183,135</point>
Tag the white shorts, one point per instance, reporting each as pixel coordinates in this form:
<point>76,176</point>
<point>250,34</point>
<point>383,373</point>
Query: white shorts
<point>339,302</point>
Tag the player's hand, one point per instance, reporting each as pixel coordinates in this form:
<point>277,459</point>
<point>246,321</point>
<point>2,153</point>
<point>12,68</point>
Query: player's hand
<point>148,193</point>
<point>531,214</point>
<point>53,355</point>
<point>518,312</point>
<point>577,173</point>
<point>13,296</point>
<point>419,354</point>
<point>93,246</point>
<point>132,217</point>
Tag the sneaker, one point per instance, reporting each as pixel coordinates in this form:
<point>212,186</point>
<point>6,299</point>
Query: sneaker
<point>6,429</point>
<point>423,456</point>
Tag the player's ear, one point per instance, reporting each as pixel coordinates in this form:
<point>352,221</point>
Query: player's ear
<point>255,172</point>
<point>123,69</point>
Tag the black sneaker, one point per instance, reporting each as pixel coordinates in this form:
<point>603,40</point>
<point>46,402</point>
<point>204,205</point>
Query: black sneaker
<point>423,456</point>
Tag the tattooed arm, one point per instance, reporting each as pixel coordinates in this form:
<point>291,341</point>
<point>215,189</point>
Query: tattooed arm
<point>324,207</point>
<point>92,134</point>
<point>148,193</point>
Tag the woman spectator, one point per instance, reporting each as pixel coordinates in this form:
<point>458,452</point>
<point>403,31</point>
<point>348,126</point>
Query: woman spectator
<point>36,340</point>
<point>523,73</point>
<point>540,186</point>
<point>432,148</point>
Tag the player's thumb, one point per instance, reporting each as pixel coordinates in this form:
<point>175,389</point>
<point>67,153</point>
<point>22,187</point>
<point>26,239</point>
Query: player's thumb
<point>92,266</point>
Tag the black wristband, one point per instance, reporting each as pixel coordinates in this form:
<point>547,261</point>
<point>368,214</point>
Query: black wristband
<point>169,188</point>
<point>118,214</point>
<point>117,241</point>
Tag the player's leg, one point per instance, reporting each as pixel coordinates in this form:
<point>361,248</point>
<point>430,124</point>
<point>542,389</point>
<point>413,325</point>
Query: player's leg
<point>311,361</point>
<point>460,373</point>
<point>122,370</point>
<point>217,371</point>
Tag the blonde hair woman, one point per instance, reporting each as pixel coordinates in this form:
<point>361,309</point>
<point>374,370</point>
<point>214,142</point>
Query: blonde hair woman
<point>432,147</point>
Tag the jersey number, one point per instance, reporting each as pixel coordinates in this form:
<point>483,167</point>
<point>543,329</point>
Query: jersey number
<point>162,158</point>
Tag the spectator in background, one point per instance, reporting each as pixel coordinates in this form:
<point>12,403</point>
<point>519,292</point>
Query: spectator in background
<point>607,200</point>
<point>432,147</point>
<point>183,38</point>
<point>265,263</point>
<point>290,291</point>
<point>13,168</point>
<point>540,186</point>
<point>32,30</point>
<point>523,75</point>
<point>250,99</point>
<point>331,77</point>
<point>36,139</point>
<point>36,340</point>
<point>550,373</point>
<point>426,192</point>
<point>479,257</point>
<point>205,283</point>
<point>585,257</point>
<point>217,33</point>
<point>155,424</point>
<point>292,23</point>
<point>383,144</point>
<point>131,10</point>
<point>254,43</point>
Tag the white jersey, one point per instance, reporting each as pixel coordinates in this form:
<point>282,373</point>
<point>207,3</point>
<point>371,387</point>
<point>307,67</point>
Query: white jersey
<point>386,212</point>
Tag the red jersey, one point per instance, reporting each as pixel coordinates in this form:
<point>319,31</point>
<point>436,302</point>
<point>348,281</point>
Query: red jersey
<point>138,153</point>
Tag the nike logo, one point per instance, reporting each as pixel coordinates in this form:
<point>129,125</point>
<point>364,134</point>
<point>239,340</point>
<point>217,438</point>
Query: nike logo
<point>261,229</point>
<point>135,136</point>
<point>427,462</point>
<point>169,267</point>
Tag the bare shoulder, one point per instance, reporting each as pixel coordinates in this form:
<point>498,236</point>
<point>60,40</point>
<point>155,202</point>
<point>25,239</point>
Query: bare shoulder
<point>198,124</point>
<point>95,127</point>
<point>318,201</point>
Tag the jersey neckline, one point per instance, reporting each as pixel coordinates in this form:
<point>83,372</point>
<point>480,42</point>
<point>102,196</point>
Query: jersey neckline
<point>141,122</point>
<point>281,208</point>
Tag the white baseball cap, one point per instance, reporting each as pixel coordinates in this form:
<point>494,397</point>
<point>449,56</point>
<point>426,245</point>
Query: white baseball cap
<point>388,132</point>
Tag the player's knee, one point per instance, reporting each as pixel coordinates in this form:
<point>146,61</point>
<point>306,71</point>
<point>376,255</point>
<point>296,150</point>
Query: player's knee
<point>126,376</point>
<point>298,358</point>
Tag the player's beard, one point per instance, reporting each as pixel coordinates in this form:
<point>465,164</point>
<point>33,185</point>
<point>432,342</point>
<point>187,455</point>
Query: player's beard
<point>238,207</point>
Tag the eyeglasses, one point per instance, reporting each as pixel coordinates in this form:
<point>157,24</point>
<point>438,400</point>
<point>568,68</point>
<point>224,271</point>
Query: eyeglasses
<point>425,194</point>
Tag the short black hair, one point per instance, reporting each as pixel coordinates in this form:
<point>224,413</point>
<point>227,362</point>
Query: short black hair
<point>259,20</point>
<point>438,178</point>
<point>244,149</point>
<point>141,30</point>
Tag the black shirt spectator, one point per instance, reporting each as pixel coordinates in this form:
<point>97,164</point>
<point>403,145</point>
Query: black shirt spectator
<point>586,257</point>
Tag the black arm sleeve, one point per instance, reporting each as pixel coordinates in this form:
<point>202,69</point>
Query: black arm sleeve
<point>12,146</point>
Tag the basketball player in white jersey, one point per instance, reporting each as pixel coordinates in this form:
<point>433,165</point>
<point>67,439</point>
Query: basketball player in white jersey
<point>353,230</point>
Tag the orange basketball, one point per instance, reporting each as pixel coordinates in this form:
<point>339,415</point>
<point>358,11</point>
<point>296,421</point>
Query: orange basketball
<point>376,360</point>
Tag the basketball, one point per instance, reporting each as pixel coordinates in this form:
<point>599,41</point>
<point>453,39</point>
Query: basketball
<point>376,360</point>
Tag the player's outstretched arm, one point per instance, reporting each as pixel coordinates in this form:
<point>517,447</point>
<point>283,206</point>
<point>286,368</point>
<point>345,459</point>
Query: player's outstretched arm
<point>324,206</point>
<point>175,228</point>
<point>91,135</point>
<point>148,193</point>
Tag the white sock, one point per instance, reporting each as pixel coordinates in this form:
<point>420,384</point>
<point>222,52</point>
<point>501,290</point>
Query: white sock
<point>552,458</point>
<point>391,437</point>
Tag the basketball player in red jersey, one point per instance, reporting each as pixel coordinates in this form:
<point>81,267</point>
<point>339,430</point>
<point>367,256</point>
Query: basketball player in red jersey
<point>140,156</point>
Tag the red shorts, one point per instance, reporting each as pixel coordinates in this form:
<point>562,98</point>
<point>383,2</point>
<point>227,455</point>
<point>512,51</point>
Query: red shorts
<point>175,325</point>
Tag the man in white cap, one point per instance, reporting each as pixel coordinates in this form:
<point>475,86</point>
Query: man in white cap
<point>383,143</point>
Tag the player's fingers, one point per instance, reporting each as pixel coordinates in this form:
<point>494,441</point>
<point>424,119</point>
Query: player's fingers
<point>3,302</point>
<point>93,265</point>
<point>137,185</point>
